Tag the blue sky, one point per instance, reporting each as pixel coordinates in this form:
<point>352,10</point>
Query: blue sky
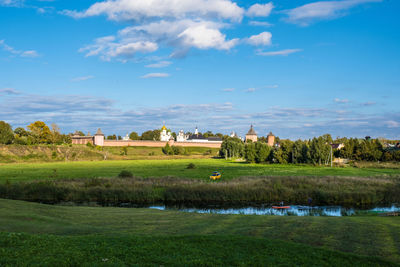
<point>296,68</point>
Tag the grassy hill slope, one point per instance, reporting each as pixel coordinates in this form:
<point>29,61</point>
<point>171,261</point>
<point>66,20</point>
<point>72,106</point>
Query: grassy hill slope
<point>122,235</point>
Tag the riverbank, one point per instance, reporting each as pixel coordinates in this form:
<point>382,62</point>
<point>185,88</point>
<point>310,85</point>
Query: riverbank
<point>245,191</point>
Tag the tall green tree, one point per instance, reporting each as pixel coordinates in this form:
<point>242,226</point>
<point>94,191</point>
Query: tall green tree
<point>134,136</point>
<point>250,152</point>
<point>6,133</point>
<point>263,152</point>
<point>151,135</point>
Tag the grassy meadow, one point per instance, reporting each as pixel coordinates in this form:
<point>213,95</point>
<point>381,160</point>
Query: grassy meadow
<point>34,234</point>
<point>177,168</point>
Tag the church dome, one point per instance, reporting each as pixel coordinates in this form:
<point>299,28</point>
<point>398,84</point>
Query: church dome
<point>163,128</point>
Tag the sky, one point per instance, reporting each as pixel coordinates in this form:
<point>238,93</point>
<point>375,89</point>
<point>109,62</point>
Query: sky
<point>297,68</point>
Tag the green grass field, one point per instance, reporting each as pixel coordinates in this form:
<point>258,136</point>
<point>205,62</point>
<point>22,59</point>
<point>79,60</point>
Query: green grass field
<point>41,235</point>
<point>177,168</point>
<point>34,234</point>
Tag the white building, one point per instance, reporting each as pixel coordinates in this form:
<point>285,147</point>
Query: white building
<point>182,137</point>
<point>165,135</point>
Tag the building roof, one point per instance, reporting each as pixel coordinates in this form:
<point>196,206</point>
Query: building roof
<point>270,134</point>
<point>196,136</point>
<point>163,128</point>
<point>251,131</point>
<point>214,138</point>
<point>99,132</point>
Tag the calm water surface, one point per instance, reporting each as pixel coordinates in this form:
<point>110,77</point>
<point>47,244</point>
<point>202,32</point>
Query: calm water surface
<point>294,210</point>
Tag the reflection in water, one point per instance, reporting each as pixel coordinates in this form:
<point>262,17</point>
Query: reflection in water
<point>294,210</point>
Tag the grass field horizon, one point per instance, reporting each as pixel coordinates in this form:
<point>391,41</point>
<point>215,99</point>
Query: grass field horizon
<point>229,169</point>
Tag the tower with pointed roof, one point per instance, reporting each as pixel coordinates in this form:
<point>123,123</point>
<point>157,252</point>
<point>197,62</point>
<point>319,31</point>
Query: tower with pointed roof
<point>99,138</point>
<point>251,135</point>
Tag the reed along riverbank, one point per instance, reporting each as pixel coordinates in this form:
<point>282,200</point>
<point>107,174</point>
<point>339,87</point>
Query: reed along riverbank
<point>344,191</point>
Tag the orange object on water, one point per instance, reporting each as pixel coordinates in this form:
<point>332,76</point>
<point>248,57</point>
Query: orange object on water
<point>281,207</point>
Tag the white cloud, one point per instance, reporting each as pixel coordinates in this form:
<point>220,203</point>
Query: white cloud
<point>10,49</point>
<point>88,113</point>
<point>260,10</point>
<point>202,37</point>
<point>161,64</point>
<point>107,48</point>
<point>140,10</point>
<point>342,101</point>
<point>228,89</point>
<point>263,38</point>
<point>392,124</point>
<point>284,52</point>
<point>250,90</point>
<point>155,75</point>
<point>9,91</point>
<point>82,78</point>
<point>260,23</point>
<point>29,53</point>
<point>12,3</point>
<point>307,13</point>
<point>181,35</point>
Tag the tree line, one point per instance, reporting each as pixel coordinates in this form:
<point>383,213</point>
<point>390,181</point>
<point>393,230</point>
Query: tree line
<point>317,150</point>
<point>35,133</point>
<point>39,133</point>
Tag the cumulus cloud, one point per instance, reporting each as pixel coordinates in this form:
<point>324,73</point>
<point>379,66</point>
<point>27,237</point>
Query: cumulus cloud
<point>202,37</point>
<point>107,48</point>
<point>260,10</point>
<point>155,75</point>
<point>160,64</point>
<point>306,14</point>
<point>284,52</point>
<point>263,38</point>
<point>180,25</point>
<point>145,38</point>
<point>139,10</point>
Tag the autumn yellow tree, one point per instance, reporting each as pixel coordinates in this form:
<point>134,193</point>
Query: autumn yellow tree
<point>41,132</point>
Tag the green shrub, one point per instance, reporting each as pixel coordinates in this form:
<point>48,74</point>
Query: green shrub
<point>125,174</point>
<point>191,166</point>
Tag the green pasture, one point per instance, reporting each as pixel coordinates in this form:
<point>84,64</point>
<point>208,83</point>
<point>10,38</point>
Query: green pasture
<point>176,168</point>
<point>34,234</point>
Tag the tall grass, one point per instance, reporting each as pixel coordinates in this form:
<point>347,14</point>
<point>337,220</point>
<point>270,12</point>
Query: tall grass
<point>345,191</point>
